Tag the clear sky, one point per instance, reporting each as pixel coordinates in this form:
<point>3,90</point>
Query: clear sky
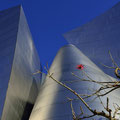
<point>50,19</point>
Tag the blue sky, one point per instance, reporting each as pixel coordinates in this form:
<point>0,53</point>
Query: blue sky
<point>50,19</point>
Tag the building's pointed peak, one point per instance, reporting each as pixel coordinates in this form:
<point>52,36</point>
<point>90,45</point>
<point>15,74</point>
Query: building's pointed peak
<point>68,45</point>
<point>70,54</point>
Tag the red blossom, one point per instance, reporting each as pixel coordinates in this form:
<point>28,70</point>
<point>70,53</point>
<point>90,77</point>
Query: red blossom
<point>80,67</point>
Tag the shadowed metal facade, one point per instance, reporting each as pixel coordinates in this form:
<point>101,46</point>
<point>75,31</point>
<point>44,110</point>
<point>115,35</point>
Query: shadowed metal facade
<point>18,61</point>
<point>52,103</point>
<point>99,36</point>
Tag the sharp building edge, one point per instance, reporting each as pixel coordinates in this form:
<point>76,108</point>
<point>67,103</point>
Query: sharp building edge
<point>52,103</point>
<point>99,36</point>
<point>18,61</point>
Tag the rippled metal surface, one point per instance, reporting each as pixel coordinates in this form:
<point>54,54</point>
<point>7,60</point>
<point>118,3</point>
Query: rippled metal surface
<point>52,104</point>
<point>18,61</point>
<point>99,36</point>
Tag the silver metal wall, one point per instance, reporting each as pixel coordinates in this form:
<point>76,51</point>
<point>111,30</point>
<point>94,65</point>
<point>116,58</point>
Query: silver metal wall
<point>52,104</point>
<point>18,85</point>
<point>9,20</point>
<point>99,36</point>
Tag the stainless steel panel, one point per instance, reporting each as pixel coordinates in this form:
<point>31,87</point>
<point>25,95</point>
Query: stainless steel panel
<point>9,20</point>
<point>51,103</point>
<point>22,87</point>
<point>98,36</point>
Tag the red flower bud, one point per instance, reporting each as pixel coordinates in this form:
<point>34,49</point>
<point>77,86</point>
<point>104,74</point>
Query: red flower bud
<point>80,67</point>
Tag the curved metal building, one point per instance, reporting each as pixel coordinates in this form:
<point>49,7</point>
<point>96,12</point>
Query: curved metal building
<point>52,104</point>
<point>18,61</point>
<point>99,36</point>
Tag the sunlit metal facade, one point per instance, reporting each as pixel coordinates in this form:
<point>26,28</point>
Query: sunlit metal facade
<point>52,103</point>
<point>18,61</point>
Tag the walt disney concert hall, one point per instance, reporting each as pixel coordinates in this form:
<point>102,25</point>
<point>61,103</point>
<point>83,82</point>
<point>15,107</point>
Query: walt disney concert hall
<point>28,96</point>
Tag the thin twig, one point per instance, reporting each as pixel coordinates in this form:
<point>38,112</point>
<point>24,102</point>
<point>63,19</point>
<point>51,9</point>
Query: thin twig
<point>114,63</point>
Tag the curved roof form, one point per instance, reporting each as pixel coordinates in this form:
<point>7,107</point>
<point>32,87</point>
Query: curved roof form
<point>99,36</point>
<point>52,103</point>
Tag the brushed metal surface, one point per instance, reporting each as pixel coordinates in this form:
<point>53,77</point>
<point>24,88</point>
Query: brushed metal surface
<point>9,20</point>
<point>19,60</point>
<point>97,37</point>
<point>51,103</point>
